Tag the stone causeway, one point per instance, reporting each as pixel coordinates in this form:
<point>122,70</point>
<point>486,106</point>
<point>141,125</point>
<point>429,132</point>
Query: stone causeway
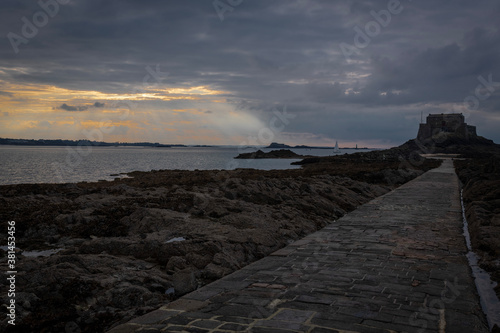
<point>395,264</point>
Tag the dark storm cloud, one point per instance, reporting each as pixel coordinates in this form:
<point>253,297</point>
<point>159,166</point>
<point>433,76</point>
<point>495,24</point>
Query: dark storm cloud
<point>267,53</point>
<point>5,93</point>
<point>445,74</point>
<point>67,107</point>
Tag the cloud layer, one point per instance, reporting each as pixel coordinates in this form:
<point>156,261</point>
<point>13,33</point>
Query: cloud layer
<point>230,75</point>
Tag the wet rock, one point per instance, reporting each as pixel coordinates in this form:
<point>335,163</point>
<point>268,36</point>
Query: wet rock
<point>198,260</point>
<point>176,263</point>
<point>72,327</point>
<point>184,282</point>
<point>214,272</point>
<point>218,212</point>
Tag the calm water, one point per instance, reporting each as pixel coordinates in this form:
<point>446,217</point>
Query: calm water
<point>19,164</point>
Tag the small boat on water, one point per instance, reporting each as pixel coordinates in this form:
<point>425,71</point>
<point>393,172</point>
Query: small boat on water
<point>336,150</point>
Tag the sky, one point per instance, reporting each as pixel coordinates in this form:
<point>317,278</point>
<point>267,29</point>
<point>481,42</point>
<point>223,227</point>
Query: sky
<point>246,72</point>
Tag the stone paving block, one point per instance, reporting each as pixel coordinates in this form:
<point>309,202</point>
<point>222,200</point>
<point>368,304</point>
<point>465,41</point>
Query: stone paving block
<point>293,315</point>
<point>270,330</point>
<point>240,310</point>
<point>462,306</point>
<point>435,291</point>
<point>276,286</point>
<point>392,326</point>
<point>388,274</point>
<point>228,285</point>
<point>178,320</point>
<point>154,317</point>
<point>203,323</point>
<point>339,289</point>
<point>268,278</point>
<point>195,330</point>
<point>319,308</point>
<point>223,297</point>
<point>461,322</point>
<point>281,325</point>
<point>283,252</point>
<point>151,329</point>
<point>348,303</point>
<point>262,293</point>
<point>319,299</point>
<point>333,280</point>
<point>362,313</point>
<point>392,288</point>
<point>267,263</point>
<point>174,329</point>
<point>422,321</point>
<point>304,241</point>
<point>233,327</point>
<point>234,320</point>
<point>183,304</point>
<point>337,324</point>
<point>343,315</point>
<point>203,294</point>
<point>125,328</point>
<point>195,315</point>
<point>250,300</point>
<point>238,275</point>
<point>323,330</point>
<point>360,328</point>
<point>363,286</point>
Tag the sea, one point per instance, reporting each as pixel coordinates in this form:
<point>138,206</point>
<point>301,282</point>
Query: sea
<point>52,164</point>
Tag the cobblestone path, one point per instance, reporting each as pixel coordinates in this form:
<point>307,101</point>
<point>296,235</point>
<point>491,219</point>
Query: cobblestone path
<point>395,264</point>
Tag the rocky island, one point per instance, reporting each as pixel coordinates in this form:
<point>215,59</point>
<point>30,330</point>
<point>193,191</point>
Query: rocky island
<point>282,153</point>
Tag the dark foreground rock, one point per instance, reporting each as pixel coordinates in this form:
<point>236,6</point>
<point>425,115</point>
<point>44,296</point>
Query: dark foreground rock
<point>481,192</point>
<point>132,245</point>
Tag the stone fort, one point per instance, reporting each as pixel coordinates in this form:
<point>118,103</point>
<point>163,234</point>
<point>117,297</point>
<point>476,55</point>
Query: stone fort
<point>449,123</point>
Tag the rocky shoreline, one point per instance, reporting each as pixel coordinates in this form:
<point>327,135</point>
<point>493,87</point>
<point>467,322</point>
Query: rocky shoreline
<point>128,246</point>
<point>481,194</point>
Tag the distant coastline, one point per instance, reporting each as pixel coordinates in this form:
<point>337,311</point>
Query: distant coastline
<point>60,142</point>
<point>276,145</point>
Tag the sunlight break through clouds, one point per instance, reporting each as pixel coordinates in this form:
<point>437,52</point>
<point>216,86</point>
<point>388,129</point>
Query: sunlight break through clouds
<point>229,63</point>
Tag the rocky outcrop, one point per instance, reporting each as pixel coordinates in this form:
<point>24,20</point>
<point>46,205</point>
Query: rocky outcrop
<point>275,145</point>
<point>282,153</point>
